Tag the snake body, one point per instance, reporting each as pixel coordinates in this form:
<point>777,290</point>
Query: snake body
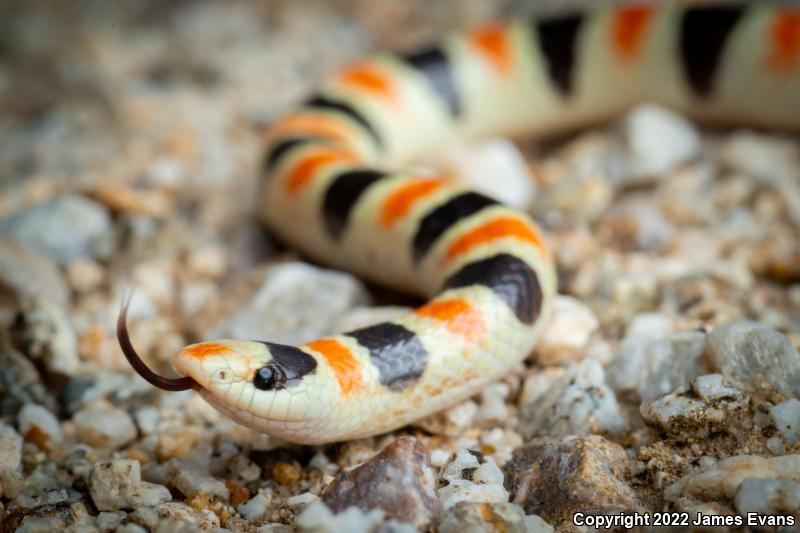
<point>334,186</point>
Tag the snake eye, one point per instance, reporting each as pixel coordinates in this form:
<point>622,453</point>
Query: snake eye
<point>269,377</point>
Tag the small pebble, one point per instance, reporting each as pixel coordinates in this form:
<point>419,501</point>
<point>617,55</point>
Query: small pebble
<point>573,401</point>
<point>588,471</point>
<point>477,517</point>
<point>318,518</point>
<point>723,479</point>
<point>10,448</point>
<point>117,484</point>
<point>768,496</point>
<point>786,416</point>
<point>286,473</point>
<point>253,509</point>
<point>757,356</point>
<point>68,228</point>
<point>38,425</point>
<point>567,334</point>
<point>398,480</point>
<point>112,428</point>
<point>471,476</point>
<point>278,309</point>
<point>511,180</point>
<point>646,128</point>
<point>708,406</point>
<point>191,480</point>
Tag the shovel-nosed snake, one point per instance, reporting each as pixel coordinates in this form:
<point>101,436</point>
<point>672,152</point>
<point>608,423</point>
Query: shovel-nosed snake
<point>334,186</point>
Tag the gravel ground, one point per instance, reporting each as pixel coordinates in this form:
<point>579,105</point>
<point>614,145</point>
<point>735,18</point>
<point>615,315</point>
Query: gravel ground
<point>667,380</point>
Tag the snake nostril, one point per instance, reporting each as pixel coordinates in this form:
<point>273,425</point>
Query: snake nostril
<point>222,375</point>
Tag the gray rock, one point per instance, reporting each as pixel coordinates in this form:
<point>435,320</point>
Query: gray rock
<point>477,517</point>
<point>20,383</point>
<point>786,416</point>
<point>46,485</point>
<point>111,428</point>
<point>279,309</point>
<point>768,496</point>
<point>398,480</point>
<point>42,331</point>
<point>708,406</point>
<point>191,480</point>
<point>67,228</point>
<point>28,275</point>
<point>577,401</point>
<point>63,516</point>
<point>471,476</point>
<point>757,356</point>
<point>556,477</point>
<point>117,484</point>
<point>649,366</point>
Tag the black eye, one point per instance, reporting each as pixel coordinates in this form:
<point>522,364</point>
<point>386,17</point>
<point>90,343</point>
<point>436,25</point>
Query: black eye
<point>269,377</point>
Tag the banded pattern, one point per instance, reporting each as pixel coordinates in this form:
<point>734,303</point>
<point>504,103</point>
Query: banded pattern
<point>327,189</point>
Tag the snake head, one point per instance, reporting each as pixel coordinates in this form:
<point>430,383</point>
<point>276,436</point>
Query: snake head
<point>268,387</point>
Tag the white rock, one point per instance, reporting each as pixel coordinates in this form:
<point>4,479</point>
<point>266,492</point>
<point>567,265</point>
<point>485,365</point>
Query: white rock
<point>130,527</point>
<point>111,428</point>
<point>147,419</point>
<point>722,480</point>
<point>171,516</point>
<point>279,309</point>
<point>574,401</point>
<point>471,517</point>
<point>190,480</point>
<point>302,499</point>
<point>760,155</point>
<point>10,449</point>
<point>117,484</point>
<point>567,333</point>
<point>472,477</point>
<point>768,496</point>
<point>496,168</point>
<point>110,520</point>
<point>34,415</point>
<point>786,416</point>
<point>659,140</point>
<point>649,326</point>
<point>450,422</point>
<point>713,388</point>
<point>318,518</point>
<point>492,405</point>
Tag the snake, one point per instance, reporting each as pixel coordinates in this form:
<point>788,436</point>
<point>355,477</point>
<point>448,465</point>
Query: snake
<point>339,184</point>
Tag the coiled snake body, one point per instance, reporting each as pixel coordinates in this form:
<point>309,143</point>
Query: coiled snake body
<point>334,187</point>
